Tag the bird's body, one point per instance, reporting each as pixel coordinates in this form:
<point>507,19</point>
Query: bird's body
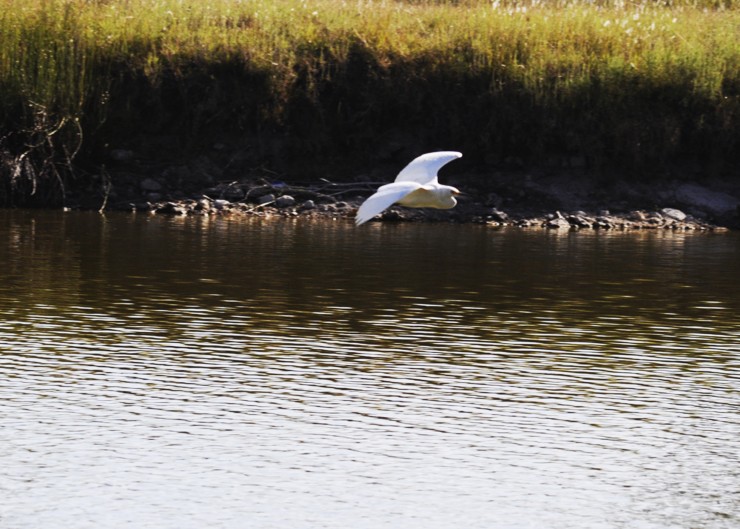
<point>416,186</point>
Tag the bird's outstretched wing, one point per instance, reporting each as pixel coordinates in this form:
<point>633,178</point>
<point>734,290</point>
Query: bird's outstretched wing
<point>383,198</point>
<point>423,169</point>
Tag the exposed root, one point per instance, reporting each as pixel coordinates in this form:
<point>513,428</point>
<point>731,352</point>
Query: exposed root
<point>38,160</point>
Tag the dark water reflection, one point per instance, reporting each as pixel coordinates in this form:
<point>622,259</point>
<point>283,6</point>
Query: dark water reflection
<point>228,374</point>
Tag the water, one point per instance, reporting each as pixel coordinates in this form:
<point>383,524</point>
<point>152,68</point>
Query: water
<point>192,373</point>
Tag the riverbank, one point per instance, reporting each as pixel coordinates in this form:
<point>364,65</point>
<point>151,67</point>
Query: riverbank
<point>301,90</point>
<point>564,110</point>
<point>553,198</point>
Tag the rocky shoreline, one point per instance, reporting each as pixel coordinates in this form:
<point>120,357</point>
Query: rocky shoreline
<point>562,200</point>
<point>287,205</point>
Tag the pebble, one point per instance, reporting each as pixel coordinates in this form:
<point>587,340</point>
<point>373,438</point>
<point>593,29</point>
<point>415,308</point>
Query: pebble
<point>558,222</point>
<point>499,216</point>
<point>171,208</point>
<point>673,213</point>
<point>285,201</point>
<point>666,218</point>
<point>581,220</point>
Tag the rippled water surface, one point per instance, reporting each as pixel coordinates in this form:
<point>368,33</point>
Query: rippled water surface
<point>196,373</point>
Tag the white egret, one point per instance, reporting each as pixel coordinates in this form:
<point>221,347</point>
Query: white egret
<point>416,186</point>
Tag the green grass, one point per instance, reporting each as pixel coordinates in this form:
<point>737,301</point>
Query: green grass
<point>637,85</point>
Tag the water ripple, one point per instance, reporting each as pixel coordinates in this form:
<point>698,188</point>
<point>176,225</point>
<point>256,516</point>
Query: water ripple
<point>166,397</point>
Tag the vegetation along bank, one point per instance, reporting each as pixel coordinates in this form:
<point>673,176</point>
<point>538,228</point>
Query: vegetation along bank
<point>115,102</point>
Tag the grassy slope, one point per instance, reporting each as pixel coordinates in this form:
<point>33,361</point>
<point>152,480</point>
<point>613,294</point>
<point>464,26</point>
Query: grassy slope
<point>636,86</point>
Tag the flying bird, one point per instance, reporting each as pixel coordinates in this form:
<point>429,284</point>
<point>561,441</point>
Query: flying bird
<point>416,186</point>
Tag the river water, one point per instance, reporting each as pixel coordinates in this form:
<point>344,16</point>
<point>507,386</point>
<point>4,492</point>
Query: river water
<point>213,373</point>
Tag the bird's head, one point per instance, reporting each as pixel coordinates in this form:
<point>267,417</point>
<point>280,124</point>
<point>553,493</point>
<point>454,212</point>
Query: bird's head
<point>452,192</point>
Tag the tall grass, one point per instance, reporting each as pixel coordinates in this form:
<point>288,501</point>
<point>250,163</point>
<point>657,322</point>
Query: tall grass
<point>635,83</point>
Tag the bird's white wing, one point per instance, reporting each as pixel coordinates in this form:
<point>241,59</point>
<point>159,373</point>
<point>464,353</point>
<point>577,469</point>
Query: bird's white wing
<point>383,198</point>
<point>423,169</point>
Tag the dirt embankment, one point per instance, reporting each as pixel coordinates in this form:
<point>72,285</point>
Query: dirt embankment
<point>226,181</point>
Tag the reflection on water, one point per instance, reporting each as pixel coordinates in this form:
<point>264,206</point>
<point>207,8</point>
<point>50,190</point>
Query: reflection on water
<point>190,373</point>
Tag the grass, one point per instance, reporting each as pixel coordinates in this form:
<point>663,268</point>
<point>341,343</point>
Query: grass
<point>631,85</point>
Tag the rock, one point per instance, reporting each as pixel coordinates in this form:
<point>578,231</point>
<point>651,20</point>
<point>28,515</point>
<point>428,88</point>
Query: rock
<point>393,215</point>
<point>203,204</point>
<point>499,215</point>
<point>308,204</point>
<point>552,216</point>
<point>606,222</point>
<point>266,199</point>
<point>675,214</point>
<point>150,184</point>
<point>558,222</point>
<point>581,220</point>
<point>171,208</point>
<point>715,202</point>
<point>654,221</point>
<point>285,201</point>
<point>221,203</point>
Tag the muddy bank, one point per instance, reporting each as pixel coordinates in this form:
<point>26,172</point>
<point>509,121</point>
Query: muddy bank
<point>550,197</point>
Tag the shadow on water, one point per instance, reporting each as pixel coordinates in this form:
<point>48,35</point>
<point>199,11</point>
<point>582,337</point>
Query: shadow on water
<point>215,372</point>
<point>101,259</point>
